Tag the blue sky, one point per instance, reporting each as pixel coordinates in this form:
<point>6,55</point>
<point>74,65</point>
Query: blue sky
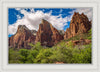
<point>31,17</point>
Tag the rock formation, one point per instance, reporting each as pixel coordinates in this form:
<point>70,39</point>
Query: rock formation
<point>79,24</point>
<point>81,42</point>
<point>62,32</point>
<point>47,34</point>
<point>22,38</point>
<point>34,32</point>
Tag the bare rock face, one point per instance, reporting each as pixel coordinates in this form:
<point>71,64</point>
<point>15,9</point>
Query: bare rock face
<point>34,32</point>
<point>22,38</point>
<point>47,34</point>
<point>79,24</point>
<point>81,42</point>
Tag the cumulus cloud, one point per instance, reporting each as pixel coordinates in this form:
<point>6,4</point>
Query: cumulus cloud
<point>86,11</point>
<point>18,16</point>
<point>32,20</point>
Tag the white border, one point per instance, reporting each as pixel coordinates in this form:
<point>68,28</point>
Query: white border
<point>51,5</point>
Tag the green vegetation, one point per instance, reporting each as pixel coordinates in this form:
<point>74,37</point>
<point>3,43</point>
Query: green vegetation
<point>64,52</point>
<point>90,34</point>
<point>82,36</point>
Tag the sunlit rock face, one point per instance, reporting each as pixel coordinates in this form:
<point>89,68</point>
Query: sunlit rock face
<point>22,38</point>
<point>47,34</point>
<point>79,24</point>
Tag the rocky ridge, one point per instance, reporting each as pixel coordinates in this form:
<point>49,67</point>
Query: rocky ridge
<point>22,38</point>
<point>79,24</point>
<point>47,34</point>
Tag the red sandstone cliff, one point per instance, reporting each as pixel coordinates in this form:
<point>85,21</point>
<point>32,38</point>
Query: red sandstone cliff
<point>79,24</point>
<point>47,34</point>
<point>22,38</point>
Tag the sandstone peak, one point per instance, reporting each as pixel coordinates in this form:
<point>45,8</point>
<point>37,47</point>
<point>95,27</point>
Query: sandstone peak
<point>82,14</point>
<point>22,28</point>
<point>79,24</point>
<point>43,21</point>
<point>47,34</point>
<point>22,38</point>
<point>76,13</point>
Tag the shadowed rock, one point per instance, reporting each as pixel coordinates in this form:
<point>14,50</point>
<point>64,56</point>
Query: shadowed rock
<point>79,24</point>
<point>47,34</point>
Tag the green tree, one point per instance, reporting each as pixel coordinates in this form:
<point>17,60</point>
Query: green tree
<point>23,55</point>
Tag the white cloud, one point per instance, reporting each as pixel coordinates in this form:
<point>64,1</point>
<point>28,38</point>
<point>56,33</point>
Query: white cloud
<point>18,17</point>
<point>18,8</point>
<point>33,19</point>
<point>86,11</point>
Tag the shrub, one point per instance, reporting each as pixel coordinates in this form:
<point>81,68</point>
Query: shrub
<point>36,46</point>
<point>23,55</point>
<point>13,56</point>
<point>43,55</point>
<point>82,55</point>
<point>32,56</point>
<point>62,52</point>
